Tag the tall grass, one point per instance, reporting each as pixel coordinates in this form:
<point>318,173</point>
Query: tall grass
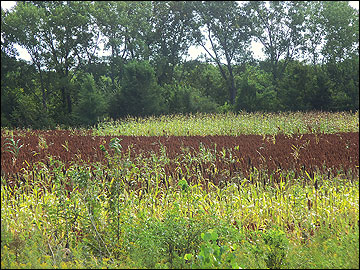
<point>232,124</point>
<point>107,220</point>
<point>128,213</point>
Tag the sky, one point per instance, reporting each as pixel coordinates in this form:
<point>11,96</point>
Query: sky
<point>193,51</point>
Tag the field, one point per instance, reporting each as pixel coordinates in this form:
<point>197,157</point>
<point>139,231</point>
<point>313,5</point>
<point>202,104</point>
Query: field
<point>197,191</point>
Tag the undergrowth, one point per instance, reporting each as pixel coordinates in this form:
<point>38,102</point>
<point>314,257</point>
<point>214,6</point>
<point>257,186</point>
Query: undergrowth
<point>127,213</point>
<point>86,217</point>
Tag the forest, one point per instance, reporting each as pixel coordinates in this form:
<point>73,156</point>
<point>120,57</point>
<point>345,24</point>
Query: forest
<point>311,59</point>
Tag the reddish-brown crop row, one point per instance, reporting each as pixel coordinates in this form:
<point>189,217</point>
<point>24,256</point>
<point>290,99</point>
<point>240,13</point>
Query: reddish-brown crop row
<point>327,153</point>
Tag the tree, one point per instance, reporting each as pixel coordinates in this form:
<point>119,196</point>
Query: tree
<point>7,46</point>
<point>314,32</point>
<point>58,35</point>
<point>344,79</point>
<point>125,27</point>
<point>91,103</point>
<point>22,27</point>
<point>297,86</point>
<point>279,26</point>
<point>321,90</point>
<point>341,25</point>
<point>331,45</point>
<point>172,24</point>
<point>256,92</point>
<point>140,95</point>
<point>205,77</point>
<point>226,27</point>
<point>341,53</point>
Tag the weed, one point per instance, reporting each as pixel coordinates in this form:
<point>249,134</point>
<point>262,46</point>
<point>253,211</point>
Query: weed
<point>13,147</point>
<point>213,255</point>
<point>158,210</point>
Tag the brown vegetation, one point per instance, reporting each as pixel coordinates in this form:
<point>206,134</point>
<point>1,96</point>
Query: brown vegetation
<point>231,156</point>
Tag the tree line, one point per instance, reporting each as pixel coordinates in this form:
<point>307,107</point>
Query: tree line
<point>311,60</point>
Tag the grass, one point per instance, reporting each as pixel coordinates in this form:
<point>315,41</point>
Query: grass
<point>107,223</point>
<point>100,217</point>
<point>232,124</point>
<point>137,229</point>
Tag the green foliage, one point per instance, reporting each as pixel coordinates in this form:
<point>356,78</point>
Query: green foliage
<point>320,95</point>
<point>186,99</point>
<point>228,28</point>
<point>297,86</point>
<point>256,91</point>
<point>226,108</point>
<point>205,77</point>
<point>340,247</point>
<point>344,79</point>
<point>91,103</point>
<point>341,28</point>
<point>13,146</point>
<point>165,241</point>
<point>126,25</point>
<point>26,112</point>
<point>115,144</point>
<point>212,255</point>
<point>20,103</point>
<point>146,72</point>
<point>140,95</point>
<point>276,245</point>
<point>43,29</point>
<point>279,26</point>
<point>172,35</point>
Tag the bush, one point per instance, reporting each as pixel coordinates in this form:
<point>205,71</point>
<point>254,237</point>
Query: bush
<point>256,91</point>
<point>166,241</point>
<point>187,99</point>
<point>140,94</point>
<point>91,104</point>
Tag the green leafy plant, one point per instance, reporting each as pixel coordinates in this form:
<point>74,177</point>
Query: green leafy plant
<point>213,255</point>
<point>115,144</point>
<point>42,143</point>
<point>274,249</point>
<point>13,146</point>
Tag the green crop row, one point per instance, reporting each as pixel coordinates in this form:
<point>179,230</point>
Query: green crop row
<point>232,124</point>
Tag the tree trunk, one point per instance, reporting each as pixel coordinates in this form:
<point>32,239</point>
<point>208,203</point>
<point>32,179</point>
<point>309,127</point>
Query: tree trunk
<point>69,103</point>
<point>42,90</point>
<point>68,96</point>
<point>232,88</point>
<point>63,97</point>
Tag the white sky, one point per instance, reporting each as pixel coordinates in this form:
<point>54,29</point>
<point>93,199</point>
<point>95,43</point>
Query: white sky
<point>193,51</point>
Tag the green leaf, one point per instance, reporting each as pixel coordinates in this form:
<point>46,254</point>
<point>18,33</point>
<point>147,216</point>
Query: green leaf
<point>188,257</point>
<point>206,236</point>
<point>214,236</point>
